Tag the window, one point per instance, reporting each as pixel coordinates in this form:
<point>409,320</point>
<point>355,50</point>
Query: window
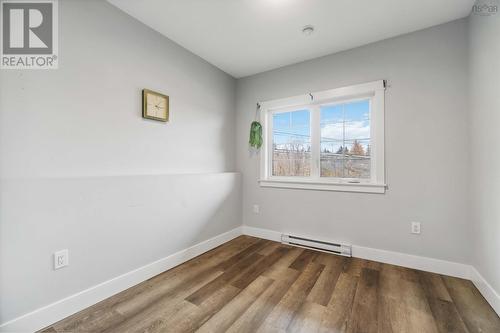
<point>329,140</point>
<point>292,143</point>
<point>345,140</point>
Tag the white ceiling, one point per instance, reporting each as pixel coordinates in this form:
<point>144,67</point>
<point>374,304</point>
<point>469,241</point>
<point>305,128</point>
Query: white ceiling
<point>244,37</point>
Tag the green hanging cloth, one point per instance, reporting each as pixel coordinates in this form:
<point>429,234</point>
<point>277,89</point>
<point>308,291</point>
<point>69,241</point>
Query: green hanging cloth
<point>255,135</point>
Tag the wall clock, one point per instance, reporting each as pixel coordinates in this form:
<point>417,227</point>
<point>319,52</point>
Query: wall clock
<point>154,105</point>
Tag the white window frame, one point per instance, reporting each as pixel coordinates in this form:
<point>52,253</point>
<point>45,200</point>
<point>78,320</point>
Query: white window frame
<point>374,91</point>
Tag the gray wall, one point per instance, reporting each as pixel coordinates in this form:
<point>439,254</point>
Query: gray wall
<point>485,137</point>
<point>426,147</point>
<point>85,117</point>
<point>80,169</point>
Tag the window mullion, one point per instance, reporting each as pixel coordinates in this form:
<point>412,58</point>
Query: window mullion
<point>315,141</point>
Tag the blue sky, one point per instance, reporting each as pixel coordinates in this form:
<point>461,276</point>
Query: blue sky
<point>294,126</point>
<point>291,127</point>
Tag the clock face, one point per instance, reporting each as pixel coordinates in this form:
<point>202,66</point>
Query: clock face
<point>155,106</point>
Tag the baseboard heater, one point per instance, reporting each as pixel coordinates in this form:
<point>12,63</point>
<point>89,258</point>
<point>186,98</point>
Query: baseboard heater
<point>318,245</point>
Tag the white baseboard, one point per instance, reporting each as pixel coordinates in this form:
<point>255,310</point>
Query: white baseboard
<point>65,307</point>
<point>412,261</point>
<point>262,233</point>
<point>438,266</point>
<point>486,290</point>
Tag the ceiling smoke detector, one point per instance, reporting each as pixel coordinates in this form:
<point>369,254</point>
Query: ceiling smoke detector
<point>308,30</point>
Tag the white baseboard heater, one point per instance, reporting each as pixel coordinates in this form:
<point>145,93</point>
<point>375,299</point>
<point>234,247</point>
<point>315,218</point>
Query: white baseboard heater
<point>318,245</point>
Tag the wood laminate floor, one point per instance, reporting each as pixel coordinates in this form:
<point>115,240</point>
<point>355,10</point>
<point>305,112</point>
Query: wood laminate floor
<point>255,285</point>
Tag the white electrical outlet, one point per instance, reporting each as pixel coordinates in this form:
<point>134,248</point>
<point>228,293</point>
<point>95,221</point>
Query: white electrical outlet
<point>415,227</point>
<point>61,259</point>
<point>256,209</point>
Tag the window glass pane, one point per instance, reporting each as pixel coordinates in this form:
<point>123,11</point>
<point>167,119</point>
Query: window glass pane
<point>345,140</point>
<point>332,140</point>
<point>291,143</point>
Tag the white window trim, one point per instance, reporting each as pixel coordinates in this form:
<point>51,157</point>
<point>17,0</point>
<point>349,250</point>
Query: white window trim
<point>376,184</point>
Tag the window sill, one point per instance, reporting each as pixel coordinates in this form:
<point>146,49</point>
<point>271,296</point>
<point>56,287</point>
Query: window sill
<point>324,186</point>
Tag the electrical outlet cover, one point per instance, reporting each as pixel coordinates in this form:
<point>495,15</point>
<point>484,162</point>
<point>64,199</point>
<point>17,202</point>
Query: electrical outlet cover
<point>415,227</point>
<point>61,259</point>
